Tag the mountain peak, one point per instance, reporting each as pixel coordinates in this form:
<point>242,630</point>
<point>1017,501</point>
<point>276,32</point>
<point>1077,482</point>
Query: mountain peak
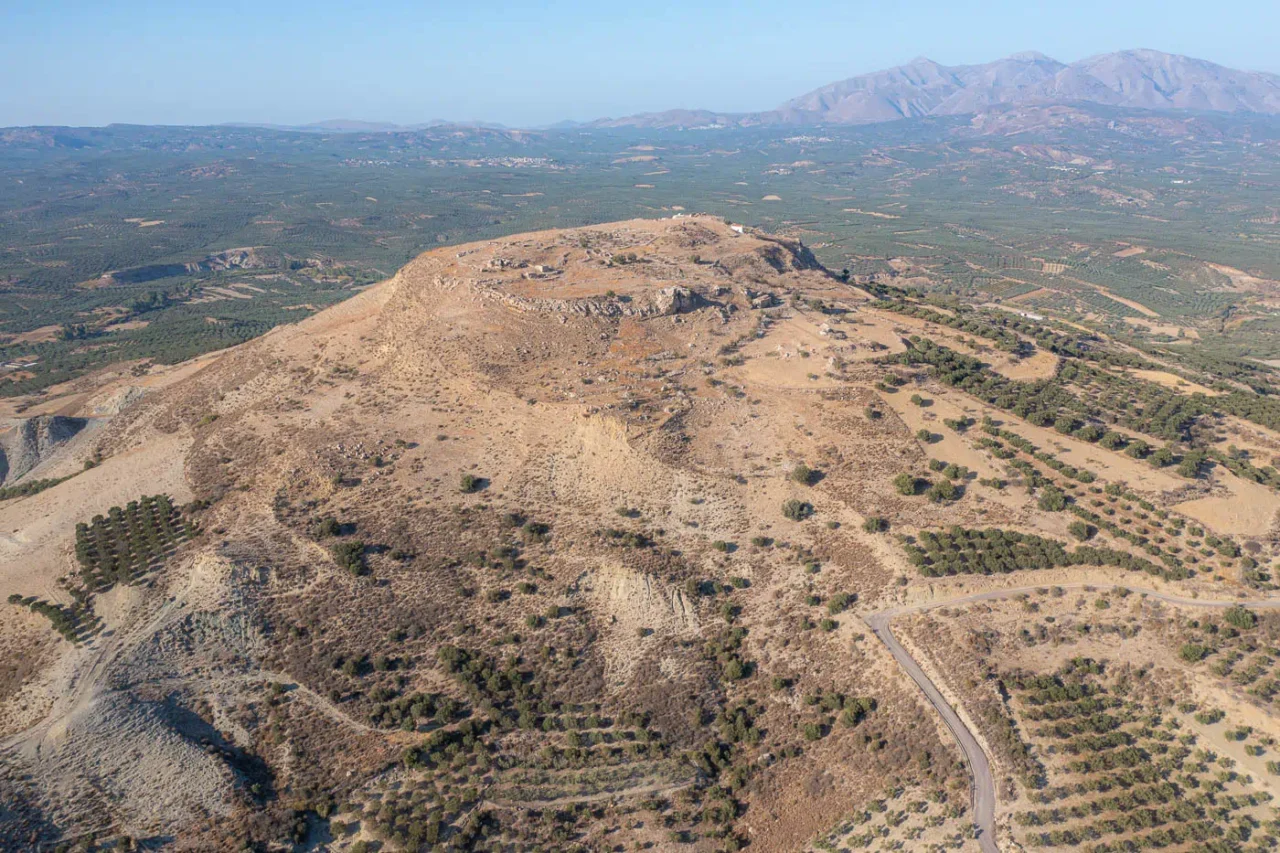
<point>922,62</point>
<point>1029,56</point>
<point>1140,78</point>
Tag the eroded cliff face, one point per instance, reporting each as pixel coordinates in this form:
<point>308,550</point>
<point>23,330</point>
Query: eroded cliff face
<point>31,441</point>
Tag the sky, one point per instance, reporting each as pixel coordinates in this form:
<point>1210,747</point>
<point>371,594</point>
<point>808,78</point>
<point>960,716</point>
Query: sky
<point>527,63</point>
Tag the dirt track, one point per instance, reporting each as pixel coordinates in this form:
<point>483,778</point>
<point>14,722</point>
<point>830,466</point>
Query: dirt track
<point>983,792</point>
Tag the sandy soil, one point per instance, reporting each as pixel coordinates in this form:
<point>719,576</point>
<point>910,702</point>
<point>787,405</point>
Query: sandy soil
<point>1240,508</point>
<point>36,532</point>
<point>1245,282</point>
<point>37,336</point>
<point>1156,328</point>
<point>874,213</point>
<point>1041,365</point>
<point>1170,380</point>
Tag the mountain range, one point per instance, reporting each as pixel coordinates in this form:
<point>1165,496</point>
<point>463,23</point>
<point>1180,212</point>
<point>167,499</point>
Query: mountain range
<point>345,125</point>
<point>1135,79</point>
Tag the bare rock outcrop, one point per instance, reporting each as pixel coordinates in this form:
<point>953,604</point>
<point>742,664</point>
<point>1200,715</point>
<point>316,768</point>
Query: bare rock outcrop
<point>32,441</point>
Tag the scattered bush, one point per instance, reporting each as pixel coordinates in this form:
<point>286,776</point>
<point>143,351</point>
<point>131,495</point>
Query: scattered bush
<point>804,475</point>
<point>907,484</point>
<point>1241,617</point>
<point>1193,652</point>
<point>350,555</point>
<point>943,490</point>
<point>1052,499</point>
<point>797,510</point>
<point>1081,531</point>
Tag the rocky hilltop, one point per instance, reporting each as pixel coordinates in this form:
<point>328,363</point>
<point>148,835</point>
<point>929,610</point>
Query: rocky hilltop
<point>491,495</point>
<point>599,538</point>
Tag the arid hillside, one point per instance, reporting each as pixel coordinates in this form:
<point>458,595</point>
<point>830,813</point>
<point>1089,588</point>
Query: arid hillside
<point>566,541</point>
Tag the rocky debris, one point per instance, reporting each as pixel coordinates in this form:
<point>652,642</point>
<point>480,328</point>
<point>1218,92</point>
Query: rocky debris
<point>676,300</point>
<point>114,401</point>
<point>32,441</point>
<point>665,302</point>
<point>505,263</point>
<point>759,299</point>
<point>236,259</point>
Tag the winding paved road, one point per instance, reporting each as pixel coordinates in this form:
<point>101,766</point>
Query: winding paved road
<point>983,792</point>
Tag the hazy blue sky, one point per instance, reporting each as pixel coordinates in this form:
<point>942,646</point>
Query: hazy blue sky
<point>524,63</point>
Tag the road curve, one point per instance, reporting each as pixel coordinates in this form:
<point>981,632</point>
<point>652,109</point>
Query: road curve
<point>983,787</point>
<point>983,791</point>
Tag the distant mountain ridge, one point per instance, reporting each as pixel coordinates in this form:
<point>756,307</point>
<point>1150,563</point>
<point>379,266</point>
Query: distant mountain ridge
<point>344,125</point>
<point>1135,79</point>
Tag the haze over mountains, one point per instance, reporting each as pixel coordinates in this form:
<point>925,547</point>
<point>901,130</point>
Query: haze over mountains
<point>1136,79</point>
<point>1130,79</point>
<point>347,125</point>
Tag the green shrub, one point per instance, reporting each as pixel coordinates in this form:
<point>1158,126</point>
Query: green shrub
<point>1193,652</point>
<point>804,475</point>
<point>943,490</point>
<point>350,555</point>
<point>906,484</point>
<point>1080,530</point>
<point>797,510</point>
<point>1241,617</point>
<point>1052,499</point>
<point>838,603</point>
<point>327,526</point>
<point>1113,441</point>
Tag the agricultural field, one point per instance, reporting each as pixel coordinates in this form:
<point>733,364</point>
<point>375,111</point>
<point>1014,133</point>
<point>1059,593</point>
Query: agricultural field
<point>1108,727</point>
